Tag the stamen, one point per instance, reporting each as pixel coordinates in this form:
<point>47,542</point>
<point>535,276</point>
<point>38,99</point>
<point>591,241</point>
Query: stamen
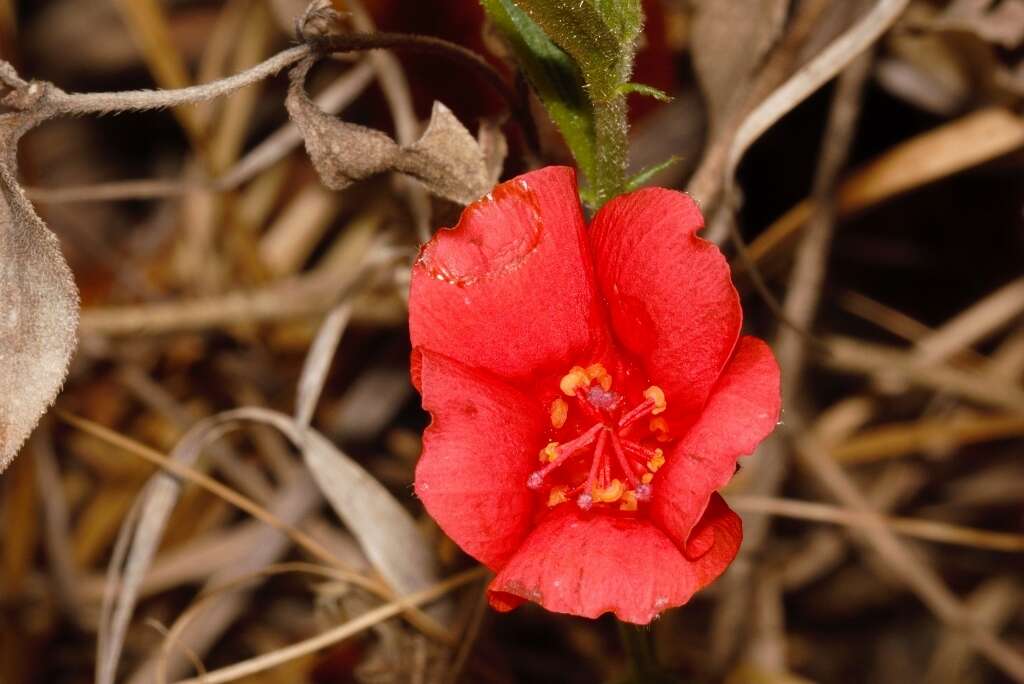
<point>564,451</point>
<point>557,496</point>
<point>657,395</point>
<point>624,464</point>
<point>559,412</point>
<point>657,460</point>
<point>549,453</point>
<point>613,492</point>
<point>635,414</point>
<point>586,499</point>
<point>573,380</point>
<point>659,426</point>
<point>597,372</point>
<point>624,478</point>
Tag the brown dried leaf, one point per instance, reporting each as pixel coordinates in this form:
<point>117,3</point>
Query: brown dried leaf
<point>386,531</point>
<point>729,41</point>
<point>38,303</point>
<point>342,152</point>
<point>494,148</point>
<point>447,160</point>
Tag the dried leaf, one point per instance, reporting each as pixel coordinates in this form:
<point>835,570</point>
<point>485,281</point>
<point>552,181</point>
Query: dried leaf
<point>446,159</point>
<point>386,531</point>
<point>137,542</point>
<point>38,302</point>
<point>318,362</point>
<point>729,41</point>
<point>494,148</point>
<point>342,152</point>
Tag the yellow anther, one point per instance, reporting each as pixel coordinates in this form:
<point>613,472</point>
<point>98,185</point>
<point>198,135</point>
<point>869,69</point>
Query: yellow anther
<point>559,412</point>
<point>613,492</point>
<point>549,453</point>
<point>647,477</point>
<point>573,380</point>
<point>556,496</point>
<point>660,426</point>
<point>656,461</point>
<point>597,372</point>
<point>628,501</point>
<point>657,395</point>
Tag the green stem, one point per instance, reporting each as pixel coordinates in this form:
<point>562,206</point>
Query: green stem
<point>611,130</point>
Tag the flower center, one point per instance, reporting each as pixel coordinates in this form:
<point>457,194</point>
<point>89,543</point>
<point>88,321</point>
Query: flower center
<point>621,467</point>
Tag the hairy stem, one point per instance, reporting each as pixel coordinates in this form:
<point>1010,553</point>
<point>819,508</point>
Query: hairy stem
<point>139,100</point>
<point>611,129</point>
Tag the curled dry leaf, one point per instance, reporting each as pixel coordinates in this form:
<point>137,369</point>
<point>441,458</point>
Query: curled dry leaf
<point>494,148</point>
<point>447,160</point>
<point>38,298</point>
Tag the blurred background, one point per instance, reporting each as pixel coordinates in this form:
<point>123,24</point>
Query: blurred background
<point>884,217</point>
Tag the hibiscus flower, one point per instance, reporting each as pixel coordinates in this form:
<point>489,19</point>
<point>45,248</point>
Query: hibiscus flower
<point>589,392</point>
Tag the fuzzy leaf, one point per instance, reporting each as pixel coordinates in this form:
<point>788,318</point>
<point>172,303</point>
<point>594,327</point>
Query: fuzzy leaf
<point>342,152</point>
<point>599,34</point>
<point>446,159</point>
<point>38,304</point>
<point>494,148</point>
<point>553,75</point>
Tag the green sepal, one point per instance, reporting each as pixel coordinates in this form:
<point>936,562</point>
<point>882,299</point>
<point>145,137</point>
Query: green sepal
<point>649,91</point>
<point>554,76</point>
<point>638,179</point>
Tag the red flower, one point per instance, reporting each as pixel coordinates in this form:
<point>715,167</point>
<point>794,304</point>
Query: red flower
<point>589,391</point>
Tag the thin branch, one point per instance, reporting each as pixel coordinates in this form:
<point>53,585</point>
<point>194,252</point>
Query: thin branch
<point>931,530</point>
<point>274,148</point>
<point>141,100</point>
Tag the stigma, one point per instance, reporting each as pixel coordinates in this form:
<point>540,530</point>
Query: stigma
<point>611,463</point>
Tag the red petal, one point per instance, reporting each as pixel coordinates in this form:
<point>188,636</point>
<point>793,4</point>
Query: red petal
<point>669,293</point>
<point>743,409</point>
<point>472,474</point>
<point>510,288</point>
<point>593,564</point>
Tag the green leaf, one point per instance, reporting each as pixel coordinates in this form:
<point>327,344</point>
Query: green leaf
<point>553,75</point>
<point>600,35</point>
<point>649,91</point>
<point>636,180</point>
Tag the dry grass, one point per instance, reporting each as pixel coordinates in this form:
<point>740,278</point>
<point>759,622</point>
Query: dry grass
<point>223,492</point>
